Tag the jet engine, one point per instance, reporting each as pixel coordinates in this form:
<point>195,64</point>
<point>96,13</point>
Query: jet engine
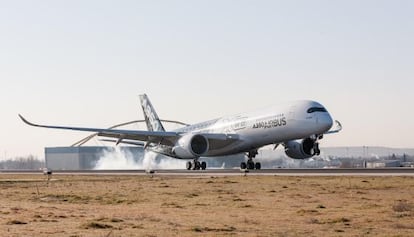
<point>191,146</point>
<point>302,149</point>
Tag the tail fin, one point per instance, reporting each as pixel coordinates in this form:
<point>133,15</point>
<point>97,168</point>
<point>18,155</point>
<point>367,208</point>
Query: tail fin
<point>151,117</point>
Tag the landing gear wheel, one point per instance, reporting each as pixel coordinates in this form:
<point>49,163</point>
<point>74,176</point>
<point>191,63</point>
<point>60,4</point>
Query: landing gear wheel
<point>197,165</point>
<point>203,165</point>
<point>258,165</point>
<point>243,165</point>
<point>189,165</point>
<point>250,165</point>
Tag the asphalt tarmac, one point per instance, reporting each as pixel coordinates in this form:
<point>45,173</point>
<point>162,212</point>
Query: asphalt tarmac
<point>232,172</point>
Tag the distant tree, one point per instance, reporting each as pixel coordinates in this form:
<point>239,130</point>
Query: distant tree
<point>25,163</point>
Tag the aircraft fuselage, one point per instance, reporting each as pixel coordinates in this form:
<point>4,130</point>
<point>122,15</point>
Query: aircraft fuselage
<point>259,128</point>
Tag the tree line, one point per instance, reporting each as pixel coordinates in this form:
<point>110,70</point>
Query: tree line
<point>22,163</point>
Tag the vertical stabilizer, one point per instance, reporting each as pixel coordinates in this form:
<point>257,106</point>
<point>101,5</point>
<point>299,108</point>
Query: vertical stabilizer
<point>151,117</point>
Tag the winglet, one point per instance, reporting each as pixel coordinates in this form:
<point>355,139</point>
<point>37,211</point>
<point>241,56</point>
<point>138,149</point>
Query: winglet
<point>338,128</point>
<point>27,122</point>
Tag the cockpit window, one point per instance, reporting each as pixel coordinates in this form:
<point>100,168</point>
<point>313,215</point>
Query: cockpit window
<point>316,109</point>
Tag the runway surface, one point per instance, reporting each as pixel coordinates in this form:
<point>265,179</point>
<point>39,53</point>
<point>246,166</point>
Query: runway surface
<point>232,172</point>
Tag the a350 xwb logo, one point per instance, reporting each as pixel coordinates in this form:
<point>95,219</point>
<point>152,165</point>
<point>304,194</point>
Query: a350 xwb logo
<point>151,116</point>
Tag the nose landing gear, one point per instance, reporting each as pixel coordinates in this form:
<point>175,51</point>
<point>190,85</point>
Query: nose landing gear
<point>316,149</point>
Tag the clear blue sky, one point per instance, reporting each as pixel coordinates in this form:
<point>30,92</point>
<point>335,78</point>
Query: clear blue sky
<point>84,63</point>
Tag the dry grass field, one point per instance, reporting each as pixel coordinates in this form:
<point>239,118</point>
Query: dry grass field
<point>206,206</point>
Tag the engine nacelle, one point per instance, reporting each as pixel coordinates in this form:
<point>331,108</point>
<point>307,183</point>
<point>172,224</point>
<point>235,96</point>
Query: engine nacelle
<point>301,149</point>
<point>191,146</point>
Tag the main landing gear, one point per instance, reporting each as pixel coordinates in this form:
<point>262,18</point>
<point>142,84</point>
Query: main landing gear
<point>196,165</point>
<point>250,164</point>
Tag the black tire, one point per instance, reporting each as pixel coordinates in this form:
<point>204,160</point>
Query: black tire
<point>188,165</point>
<point>203,165</point>
<point>250,165</point>
<point>243,165</point>
<point>197,165</point>
<point>258,165</point>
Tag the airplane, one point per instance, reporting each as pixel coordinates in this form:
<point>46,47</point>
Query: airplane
<point>297,125</point>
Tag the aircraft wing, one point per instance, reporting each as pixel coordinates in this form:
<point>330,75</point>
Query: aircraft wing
<point>165,138</point>
<point>216,140</point>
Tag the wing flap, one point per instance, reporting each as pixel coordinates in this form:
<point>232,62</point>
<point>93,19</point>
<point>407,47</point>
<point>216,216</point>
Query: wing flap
<point>135,143</point>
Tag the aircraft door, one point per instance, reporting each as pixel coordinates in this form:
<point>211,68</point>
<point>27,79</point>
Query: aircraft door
<point>292,113</point>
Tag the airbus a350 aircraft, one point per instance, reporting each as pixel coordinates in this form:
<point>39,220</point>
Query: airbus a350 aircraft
<point>298,126</point>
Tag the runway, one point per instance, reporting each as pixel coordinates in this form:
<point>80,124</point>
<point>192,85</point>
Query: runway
<point>232,172</point>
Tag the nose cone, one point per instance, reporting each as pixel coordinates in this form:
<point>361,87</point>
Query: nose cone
<point>326,122</point>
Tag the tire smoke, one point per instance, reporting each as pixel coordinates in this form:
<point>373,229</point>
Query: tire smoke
<point>118,158</point>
